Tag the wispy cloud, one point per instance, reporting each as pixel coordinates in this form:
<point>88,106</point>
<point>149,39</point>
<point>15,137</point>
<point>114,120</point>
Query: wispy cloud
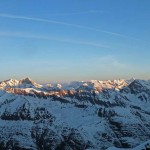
<point>108,61</point>
<point>40,37</point>
<point>63,23</point>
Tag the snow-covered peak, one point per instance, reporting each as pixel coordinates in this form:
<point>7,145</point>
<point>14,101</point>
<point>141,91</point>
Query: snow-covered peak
<point>59,86</point>
<point>27,82</point>
<point>9,83</point>
<point>24,83</point>
<point>140,83</point>
<point>97,84</point>
<point>91,85</point>
<point>108,84</point>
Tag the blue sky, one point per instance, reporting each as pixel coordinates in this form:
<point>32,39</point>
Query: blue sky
<point>66,40</point>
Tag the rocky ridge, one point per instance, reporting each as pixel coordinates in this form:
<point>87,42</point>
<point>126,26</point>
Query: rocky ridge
<point>79,115</point>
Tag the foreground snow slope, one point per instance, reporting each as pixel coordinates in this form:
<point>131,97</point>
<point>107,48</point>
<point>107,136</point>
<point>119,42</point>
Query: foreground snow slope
<point>77,116</point>
<point>140,147</point>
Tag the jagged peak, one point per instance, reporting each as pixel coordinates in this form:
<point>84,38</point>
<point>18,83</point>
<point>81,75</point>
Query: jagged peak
<point>103,81</point>
<point>27,80</point>
<point>10,80</point>
<point>145,83</point>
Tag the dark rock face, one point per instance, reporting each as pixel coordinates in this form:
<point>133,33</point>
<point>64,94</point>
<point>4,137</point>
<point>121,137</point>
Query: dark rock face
<point>26,113</point>
<point>86,117</point>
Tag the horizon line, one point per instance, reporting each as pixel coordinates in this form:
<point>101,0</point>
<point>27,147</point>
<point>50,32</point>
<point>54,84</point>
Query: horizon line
<point>22,78</point>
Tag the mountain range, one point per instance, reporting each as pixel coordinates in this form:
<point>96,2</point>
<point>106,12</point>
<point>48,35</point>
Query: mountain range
<point>87,115</point>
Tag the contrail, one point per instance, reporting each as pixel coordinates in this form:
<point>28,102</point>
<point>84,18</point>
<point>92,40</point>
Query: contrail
<point>78,13</point>
<point>32,36</point>
<point>63,23</point>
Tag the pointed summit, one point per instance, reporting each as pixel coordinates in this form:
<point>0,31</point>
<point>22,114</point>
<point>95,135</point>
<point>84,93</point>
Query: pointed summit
<point>28,81</point>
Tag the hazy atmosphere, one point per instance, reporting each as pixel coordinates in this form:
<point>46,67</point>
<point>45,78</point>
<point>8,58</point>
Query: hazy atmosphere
<point>74,39</point>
